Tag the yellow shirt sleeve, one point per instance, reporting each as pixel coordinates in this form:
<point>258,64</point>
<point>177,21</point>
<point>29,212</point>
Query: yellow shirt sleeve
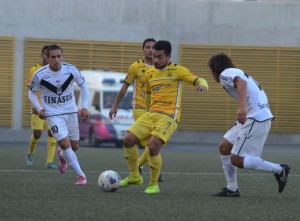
<point>30,76</point>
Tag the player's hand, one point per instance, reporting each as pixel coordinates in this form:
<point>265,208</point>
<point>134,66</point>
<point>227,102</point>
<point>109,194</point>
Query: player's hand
<point>241,115</point>
<point>28,83</point>
<point>202,89</point>
<point>84,114</point>
<point>42,114</point>
<point>34,111</point>
<point>113,112</point>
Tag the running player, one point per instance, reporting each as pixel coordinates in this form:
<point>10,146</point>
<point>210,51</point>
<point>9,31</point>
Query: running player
<point>37,124</point>
<point>58,105</point>
<point>136,77</point>
<point>243,143</point>
<point>163,83</point>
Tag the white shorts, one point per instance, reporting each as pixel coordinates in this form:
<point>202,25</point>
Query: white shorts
<point>62,126</point>
<point>249,138</point>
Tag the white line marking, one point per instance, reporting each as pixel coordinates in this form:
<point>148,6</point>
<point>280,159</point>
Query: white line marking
<point>163,172</point>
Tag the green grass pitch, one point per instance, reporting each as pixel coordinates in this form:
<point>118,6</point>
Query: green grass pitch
<point>190,177</point>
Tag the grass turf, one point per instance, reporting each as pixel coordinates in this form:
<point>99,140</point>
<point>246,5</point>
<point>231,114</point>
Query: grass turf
<point>190,177</point>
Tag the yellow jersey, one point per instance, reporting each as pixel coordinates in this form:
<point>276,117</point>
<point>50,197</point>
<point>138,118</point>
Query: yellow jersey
<point>136,77</point>
<point>30,76</point>
<point>166,86</point>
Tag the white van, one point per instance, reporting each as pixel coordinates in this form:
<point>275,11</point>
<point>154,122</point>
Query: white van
<point>103,88</point>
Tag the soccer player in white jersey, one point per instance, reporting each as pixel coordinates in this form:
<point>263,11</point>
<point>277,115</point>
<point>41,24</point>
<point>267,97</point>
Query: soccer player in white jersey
<point>243,143</point>
<point>55,81</point>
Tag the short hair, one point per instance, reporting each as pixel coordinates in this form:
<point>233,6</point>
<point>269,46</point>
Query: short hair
<point>148,40</point>
<point>45,48</point>
<point>217,63</point>
<point>163,45</point>
<point>54,47</point>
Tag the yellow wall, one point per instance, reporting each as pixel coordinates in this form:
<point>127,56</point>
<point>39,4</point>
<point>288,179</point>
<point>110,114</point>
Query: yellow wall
<point>275,68</point>
<point>7,56</point>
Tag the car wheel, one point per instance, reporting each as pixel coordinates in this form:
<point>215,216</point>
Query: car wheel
<point>92,139</point>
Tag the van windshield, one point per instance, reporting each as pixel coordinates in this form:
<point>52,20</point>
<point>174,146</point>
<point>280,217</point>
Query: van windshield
<point>109,98</point>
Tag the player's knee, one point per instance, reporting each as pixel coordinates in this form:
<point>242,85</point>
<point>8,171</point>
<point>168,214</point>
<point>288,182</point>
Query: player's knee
<point>50,134</point>
<point>155,146</point>
<point>225,148</point>
<point>37,134</point>
<point>64,143</point>
<point>130,140</point>
<point>237,161</point>
<point>74,145</point>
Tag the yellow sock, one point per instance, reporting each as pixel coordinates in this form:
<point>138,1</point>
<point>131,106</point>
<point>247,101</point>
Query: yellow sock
<point>155,167</point>
<point>131,155</point>
<point>144,157</point>
<point>51,149</point>
<point>32,145</point>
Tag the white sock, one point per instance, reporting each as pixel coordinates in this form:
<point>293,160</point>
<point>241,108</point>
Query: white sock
<point>72,161</point>
<point>256,163</point>
<point>230,172</point>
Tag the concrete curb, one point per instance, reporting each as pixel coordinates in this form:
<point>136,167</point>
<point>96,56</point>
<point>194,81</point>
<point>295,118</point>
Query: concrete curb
<point>179,137</point>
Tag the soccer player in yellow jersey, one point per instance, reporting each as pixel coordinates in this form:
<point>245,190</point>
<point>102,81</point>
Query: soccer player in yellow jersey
<point>136,77</point>
<point>37,124</point>
<point>164,84</point>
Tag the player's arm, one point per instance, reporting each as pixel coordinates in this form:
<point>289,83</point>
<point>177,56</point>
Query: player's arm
<point>28,81</point>
<point>201,84</point>
<point>30,76</point>
<point>36,104</point>
<point>193,79</point>
<point>114,109</point>
<point>241,87</point>
<point>85,99</point>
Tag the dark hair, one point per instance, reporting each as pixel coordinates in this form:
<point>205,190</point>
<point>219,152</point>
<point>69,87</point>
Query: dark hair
<point>163,45</point>
<point>45,48</point>
<point>148,40</point>
<point>54,47</point>
<point>217,63</point>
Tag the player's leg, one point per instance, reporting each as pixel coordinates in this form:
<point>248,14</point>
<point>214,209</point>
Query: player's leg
<point>143,158</point>
<point>37,125</point>
<point>62,163</point>
<point>51,146</point>
<point>131,155</point>
<point>155,145</point>
<point>230,171</point>
<point>139,131</point>
<point>65,130</point>
<point>163,128</point>
<point>71,158</point>
<point>69,154</point>
<point>246,153</point>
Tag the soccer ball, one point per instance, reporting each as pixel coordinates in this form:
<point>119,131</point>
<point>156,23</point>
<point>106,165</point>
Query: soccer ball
<point>109,180</point>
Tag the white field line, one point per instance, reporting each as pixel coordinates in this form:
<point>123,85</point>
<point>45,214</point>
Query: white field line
<point>164,172</point>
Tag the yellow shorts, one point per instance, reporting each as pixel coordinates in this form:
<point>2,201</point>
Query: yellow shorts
<point>159,125</point>
<point>37,123</point>
<point>137,113</point>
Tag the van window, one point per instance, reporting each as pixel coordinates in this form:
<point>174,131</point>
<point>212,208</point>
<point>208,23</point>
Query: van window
<point>109,98</point>
<point>126,101</point>
<point>96,101</point>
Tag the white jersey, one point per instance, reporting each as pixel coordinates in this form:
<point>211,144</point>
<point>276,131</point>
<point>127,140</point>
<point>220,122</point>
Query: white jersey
<point>57,93</point>
<point>256,101</point>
